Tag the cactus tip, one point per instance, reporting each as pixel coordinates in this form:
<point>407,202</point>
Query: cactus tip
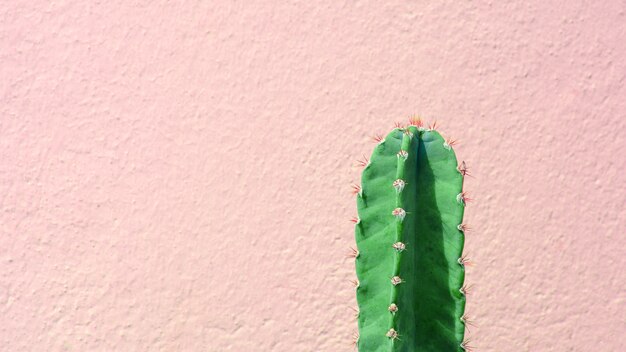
<point>432,126</point>
<point>403,154</point>
<point>378,138</point>
<point>398,124</point>
<point>416,121</point>
<point>355,220</point>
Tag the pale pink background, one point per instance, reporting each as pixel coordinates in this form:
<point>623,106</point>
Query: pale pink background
<point>175,176</point>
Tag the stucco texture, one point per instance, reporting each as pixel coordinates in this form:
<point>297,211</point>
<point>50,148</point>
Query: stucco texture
<point>175,176</point>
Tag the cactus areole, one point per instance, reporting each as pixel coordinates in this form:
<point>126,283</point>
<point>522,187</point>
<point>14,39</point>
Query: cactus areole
<point>410,240</point>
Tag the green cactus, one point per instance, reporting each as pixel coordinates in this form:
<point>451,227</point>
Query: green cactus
<point>410,238</point>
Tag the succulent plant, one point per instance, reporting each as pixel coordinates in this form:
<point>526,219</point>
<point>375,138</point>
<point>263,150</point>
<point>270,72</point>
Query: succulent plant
<point>410,237</point>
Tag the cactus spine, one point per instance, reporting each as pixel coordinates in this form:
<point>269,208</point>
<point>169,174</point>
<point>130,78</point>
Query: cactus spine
<point>410,239</point>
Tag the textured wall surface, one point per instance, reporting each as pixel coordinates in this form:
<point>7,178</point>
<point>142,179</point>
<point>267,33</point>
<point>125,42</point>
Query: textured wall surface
<point>175,176</point>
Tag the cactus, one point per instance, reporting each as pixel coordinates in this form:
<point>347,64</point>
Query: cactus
<point>410,237</point>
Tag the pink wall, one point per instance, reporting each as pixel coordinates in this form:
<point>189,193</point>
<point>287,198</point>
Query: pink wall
<point>176,177</point>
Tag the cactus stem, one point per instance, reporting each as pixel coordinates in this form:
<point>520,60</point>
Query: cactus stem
<point>423,163</point>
